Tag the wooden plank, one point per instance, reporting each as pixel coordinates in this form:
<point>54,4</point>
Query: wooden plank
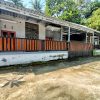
<point>18,44</point>
<point>5,44</point>
<point>33,45</point>
<point>13,44</point>
<point>9,44</point>
<point>24,44</point>
<point>1,43</point>
<point>28,45</point>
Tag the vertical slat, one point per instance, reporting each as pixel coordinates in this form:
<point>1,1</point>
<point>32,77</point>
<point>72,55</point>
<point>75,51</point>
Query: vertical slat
<point>32,45</point>
<point>39,45</point>
<point>9,44</point>
<point>5,44</point>
<point>1,44</point>
<point>51,45</point>
<point>24,44</point>
<point>48,44</point>
<point>45,45</point>
<point>30,42</point>
<point>18,44</point>
<point>28,45</point>
<point>21,45</point>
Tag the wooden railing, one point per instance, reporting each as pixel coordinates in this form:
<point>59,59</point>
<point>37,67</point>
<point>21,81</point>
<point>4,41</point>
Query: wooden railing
<point>22,44</point>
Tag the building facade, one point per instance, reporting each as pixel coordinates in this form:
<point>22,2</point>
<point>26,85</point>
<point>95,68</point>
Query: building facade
<point>20,22</point>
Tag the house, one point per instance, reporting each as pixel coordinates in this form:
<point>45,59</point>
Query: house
<point>22,29</point>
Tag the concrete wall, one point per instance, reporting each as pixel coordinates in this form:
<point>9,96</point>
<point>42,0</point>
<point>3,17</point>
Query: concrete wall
<point>13,24</point>
<point>42,31</point>
<point>13,58</point>
<point>56,35</point>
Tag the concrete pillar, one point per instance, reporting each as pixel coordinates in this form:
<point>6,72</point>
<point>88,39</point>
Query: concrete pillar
<point>42,31</point>
<point>61,34</point>
<point>86,37</point>
<point>93,39</point>
<point>19,28</point>
<point>69,34</point>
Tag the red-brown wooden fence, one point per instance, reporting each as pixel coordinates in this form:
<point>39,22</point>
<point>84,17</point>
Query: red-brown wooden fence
<point>80,46</point>
<point>21,44</point>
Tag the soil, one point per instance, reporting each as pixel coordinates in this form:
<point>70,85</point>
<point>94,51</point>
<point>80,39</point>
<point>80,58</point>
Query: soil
<point>74,80</point>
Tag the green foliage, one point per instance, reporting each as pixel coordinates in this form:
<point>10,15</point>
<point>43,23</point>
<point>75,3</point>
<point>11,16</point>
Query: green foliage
<point>94,20</point>
<point>87,9</point>
<point>17,2</point>
<point>63,9</point>
<point>37,5</point>
<point>79,2</point>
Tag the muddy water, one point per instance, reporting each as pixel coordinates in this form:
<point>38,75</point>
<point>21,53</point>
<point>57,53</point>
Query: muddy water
<point>64,80</point>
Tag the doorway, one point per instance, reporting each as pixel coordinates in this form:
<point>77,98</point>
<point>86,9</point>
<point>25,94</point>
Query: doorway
<point>8,40</point>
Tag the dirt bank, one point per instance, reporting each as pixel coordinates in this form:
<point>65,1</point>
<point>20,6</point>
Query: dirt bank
<point>79,82</point>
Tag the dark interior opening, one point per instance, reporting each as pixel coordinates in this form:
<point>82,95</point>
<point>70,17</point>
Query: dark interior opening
<point>4,34</point>
<point>31,30</point>
<point>12,35</point>
<point>75,37</point>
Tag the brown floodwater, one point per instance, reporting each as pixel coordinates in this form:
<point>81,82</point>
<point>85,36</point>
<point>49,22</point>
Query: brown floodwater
<point>77,79</point>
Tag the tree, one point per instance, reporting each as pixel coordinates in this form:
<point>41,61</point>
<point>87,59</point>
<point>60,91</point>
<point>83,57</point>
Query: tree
<point>79,2</point>
<point>37,5</point>
<point>17,2</point>
<point>88,8</point>
<point>94,20</point>
<point>63,9</point>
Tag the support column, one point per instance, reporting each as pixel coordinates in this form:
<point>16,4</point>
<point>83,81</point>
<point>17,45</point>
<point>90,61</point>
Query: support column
<point>86,37</point>
<point>61,34</point>
<point>93,39</point>
<point>69,34</point>
<point>42,31</point>
<point>69,38</point>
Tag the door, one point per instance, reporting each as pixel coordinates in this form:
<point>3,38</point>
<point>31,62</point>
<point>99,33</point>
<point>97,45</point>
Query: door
<point>8,40</point>
<point>4,34</point>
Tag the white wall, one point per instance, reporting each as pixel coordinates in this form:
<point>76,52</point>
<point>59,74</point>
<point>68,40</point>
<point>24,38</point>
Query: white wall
<point>20,29</point>
<point>29,57</point>
<point>16,25</point>
<point>42,31</point>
